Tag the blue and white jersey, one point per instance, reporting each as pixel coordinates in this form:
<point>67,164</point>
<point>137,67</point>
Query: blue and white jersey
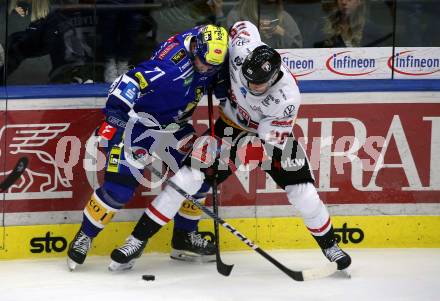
<point>165,86</point>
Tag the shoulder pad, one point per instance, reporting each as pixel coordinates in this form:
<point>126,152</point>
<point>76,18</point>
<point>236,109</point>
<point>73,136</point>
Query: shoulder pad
<point>174,52</point>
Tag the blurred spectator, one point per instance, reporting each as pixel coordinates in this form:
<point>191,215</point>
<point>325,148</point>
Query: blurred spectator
<point>146,38</point>
<point>216,15</point>
<point>20,14</point>
<point>175,15</point>
<point>347,25</point>
<point>65,34</point>
<point>23,12</point>
<point>277,27</point>
<point>118,25</point>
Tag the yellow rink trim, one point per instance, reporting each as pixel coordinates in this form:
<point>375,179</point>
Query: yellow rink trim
<point>41,241</point>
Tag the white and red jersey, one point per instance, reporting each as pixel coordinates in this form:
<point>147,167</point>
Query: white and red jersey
<point>270,115</point>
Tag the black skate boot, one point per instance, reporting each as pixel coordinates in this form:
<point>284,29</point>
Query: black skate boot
<point>78,249</point>
<point>124,257</point>
<point>332,251</point>
<point>336,254</point>
<point>193,246</point>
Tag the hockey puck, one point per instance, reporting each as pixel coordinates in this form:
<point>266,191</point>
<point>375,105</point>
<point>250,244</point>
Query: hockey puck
<point>148,277</point>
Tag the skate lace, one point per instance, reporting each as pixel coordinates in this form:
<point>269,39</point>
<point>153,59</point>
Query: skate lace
<point>131,246</point>
<point>197,240</point>
<point>334,253</point>
<point>82,243</point>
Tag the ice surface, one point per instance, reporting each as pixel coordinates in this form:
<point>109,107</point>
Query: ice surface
<point>377,275</point>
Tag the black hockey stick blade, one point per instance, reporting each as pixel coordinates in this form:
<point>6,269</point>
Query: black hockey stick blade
<point>18,170</point>
<point>222,268</point>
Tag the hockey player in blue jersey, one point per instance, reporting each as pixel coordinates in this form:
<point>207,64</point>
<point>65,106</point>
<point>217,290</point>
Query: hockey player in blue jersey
<point>262,103</point>
<point>149,107</point>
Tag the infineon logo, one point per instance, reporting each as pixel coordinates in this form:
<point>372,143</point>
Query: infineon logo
<point>343,64</point>
<point>299,67</point>
<point>407,63</point>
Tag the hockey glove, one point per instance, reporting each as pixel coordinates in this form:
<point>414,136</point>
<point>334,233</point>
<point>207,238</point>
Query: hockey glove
<point>112,129</point>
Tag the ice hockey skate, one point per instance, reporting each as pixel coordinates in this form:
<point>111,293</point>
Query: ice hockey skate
<point>124,257</point>
<point>78,249</point>
<point>342,259</point>
<point>193,246</point>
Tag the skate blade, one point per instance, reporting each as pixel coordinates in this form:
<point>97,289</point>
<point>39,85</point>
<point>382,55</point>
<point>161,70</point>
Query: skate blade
<point>116,266</point>
<point>71,265</point>
<point>191,257</point>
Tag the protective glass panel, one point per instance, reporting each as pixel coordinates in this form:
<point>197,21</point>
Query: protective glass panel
<point>50,42</point>
<point>334,23</point>
<point>417,23</point>
<point>126,35</point>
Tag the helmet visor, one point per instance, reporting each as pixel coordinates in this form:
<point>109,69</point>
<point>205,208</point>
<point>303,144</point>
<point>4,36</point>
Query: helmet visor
<point>255,89</point>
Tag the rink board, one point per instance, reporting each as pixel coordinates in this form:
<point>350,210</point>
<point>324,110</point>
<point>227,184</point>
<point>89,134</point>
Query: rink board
<point>364,148</point>
<point>374,155</point>
<point>43,241</point>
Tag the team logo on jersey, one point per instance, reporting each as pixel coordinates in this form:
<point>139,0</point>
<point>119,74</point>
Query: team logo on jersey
<point>266,66</point>
<point>269,98</point>
<point>265,102</point>
<point>178,57</point>
<point>289,110</point>
<point>130,92</point>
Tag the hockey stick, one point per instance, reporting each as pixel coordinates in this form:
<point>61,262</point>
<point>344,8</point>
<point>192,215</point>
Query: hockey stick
<point>18,170</point>
<point>222,268</point>
<point>308,274</point>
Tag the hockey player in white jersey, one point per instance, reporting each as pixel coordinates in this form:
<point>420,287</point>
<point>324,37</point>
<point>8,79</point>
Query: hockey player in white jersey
<point>262,101</point>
